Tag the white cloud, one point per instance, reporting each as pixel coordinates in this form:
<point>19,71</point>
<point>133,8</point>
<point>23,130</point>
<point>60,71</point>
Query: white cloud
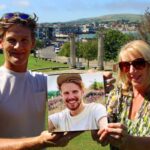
<point>126,5</point>
<point>2,6</point>
<point>21,3</point>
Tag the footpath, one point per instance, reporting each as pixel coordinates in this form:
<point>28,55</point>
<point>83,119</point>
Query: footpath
<point>76,71</point>
<point>67,71</point>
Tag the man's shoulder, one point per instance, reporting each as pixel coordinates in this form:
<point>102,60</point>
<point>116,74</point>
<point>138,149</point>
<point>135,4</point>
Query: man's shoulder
<point>60,114</point>
<point>94,104</point>
<point>37,75</point>
<point>64,112</point>
<point>95,110</point>
<point>34,73</point>
<point>2,69</point>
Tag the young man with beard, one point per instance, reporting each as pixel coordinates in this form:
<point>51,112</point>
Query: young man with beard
<point>77,116</point>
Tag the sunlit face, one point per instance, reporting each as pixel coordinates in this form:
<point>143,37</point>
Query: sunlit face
<point>138,77</point>
<point>72,95</point>
<point>17,44</point>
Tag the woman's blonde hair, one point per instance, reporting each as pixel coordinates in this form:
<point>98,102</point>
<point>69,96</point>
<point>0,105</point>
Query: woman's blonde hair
<point>136,46</point>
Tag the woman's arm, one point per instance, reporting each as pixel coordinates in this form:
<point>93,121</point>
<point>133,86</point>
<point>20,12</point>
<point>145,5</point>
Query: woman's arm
<point>137,143</point>
<point>116,134</point>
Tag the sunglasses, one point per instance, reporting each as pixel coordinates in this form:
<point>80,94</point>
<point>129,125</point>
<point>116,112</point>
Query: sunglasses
<point>138,64</point>
<point>21,16</point>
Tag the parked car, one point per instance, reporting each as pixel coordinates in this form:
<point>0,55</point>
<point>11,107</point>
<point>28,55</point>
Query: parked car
<point>56,49</point>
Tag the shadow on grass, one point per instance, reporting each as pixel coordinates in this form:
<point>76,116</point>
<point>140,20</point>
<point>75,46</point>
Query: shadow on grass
<point>82,142</point>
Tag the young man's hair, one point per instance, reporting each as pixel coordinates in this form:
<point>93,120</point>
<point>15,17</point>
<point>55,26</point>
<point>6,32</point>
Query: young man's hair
<point>30,22</point>
<point>79,83</point>
<point>70,78</point>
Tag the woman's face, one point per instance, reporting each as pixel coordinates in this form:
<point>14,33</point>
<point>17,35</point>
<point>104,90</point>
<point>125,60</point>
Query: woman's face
<point>137,75</point>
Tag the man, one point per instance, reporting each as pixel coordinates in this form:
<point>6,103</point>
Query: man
<point>77,115</point>
<point>22,92</point>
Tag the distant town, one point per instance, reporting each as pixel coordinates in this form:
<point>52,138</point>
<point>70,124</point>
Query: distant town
<point>55,34</point>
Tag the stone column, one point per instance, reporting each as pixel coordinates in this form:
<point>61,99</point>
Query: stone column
<point>100,57</point>
<point>72,51</point>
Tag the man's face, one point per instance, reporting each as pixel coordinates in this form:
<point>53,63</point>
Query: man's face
<point>72,95</point>
<point>17,43</point>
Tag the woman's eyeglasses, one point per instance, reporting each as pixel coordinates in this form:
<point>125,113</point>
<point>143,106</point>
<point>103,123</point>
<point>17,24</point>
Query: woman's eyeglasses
<point>21,16</point>
<point>138,64</point>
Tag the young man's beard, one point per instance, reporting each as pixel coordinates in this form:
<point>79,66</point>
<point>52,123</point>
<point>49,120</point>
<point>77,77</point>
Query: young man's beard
<point>74,105</point>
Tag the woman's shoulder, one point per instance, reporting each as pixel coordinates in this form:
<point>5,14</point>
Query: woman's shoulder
<point>117,96</point>
<point>121,90</point>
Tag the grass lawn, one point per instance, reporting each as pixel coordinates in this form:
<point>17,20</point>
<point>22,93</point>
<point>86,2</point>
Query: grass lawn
<point>35,63</point>
<point>81,142</point>
<point>1,59</point>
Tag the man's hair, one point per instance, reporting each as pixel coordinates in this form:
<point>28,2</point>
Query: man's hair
<point>6,23</point>
<point>70,78</point>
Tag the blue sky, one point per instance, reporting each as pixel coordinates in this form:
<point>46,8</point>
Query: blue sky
<point>67,10</point>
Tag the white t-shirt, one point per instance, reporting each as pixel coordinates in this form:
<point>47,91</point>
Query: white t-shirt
<point>87,120</point>
<point>22,103</point>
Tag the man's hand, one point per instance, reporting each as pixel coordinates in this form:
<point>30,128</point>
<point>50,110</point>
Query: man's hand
<point>57,139</point>
<point>48,139</point>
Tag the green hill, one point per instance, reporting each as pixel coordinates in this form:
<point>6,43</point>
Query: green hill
<point>110,18</point>
<point>123,18</point>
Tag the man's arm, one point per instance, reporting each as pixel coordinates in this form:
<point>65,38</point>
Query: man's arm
<point>103,122</point>
<point>51,127</point>
<point>44,140</point>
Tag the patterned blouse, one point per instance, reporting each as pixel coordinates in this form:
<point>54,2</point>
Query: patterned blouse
<point>118,108</point>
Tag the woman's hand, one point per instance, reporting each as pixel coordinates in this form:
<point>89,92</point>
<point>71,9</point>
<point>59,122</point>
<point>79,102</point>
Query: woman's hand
<point>109,81</point>
<point>115,134</point>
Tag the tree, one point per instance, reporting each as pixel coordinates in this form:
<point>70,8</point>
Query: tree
<point>113,41</point>
<point>97,85</point>
<point>89,50</point>
<point>65,50</point>
<point>38,45</point>
<point>144,27</point>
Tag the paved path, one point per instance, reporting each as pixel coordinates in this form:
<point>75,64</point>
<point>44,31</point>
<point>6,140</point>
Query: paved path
<point>73,71</point>
<point>47,53</point>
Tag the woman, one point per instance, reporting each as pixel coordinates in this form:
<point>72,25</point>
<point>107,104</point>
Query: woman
<point>129,103</point>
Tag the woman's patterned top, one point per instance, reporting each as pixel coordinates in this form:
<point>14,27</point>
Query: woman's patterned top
<point>118,108</point>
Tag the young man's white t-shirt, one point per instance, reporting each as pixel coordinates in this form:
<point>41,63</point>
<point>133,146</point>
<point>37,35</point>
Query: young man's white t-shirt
<point>88,119</point>
<point>22,103</point>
